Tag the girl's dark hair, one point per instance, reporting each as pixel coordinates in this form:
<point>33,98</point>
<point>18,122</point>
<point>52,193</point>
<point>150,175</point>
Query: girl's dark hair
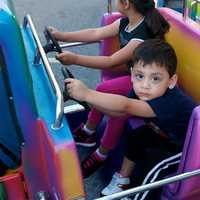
<point>156,51</point>
<point>156,23</point>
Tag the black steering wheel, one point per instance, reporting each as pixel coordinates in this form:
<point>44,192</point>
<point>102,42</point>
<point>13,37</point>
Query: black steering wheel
<point>67,74</point>
<point>52,44</point>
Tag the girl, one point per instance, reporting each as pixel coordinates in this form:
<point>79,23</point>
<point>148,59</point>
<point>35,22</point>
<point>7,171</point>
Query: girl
<point>141,21</point>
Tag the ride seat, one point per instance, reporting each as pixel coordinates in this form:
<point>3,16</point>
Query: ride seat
<point>187,189</point>
<point>188,66</point>
<point>187,33</point>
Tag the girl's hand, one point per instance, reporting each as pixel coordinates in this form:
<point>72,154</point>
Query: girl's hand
<point>76,89</point>
<point>67,58</point>
<point>56,34</point>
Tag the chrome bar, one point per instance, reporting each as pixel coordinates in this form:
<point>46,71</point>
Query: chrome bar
<point>109,7</point>
<point>198,11</point>
<point>191,9</point>
<point>74,44</point>
<point>185,9</point>
<point>151,186</point>
<point>73,109</point>
<point>59,104</point>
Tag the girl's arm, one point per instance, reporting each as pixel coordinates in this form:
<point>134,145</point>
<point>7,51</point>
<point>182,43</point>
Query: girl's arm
<point>87,35</point>
<point>112,104</point>
<point>100,62</point>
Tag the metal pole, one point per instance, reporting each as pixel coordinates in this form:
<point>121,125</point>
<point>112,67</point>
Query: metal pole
<point>151,186</point>
<point>74,44</point>
<point>185,9</point>
<point>109,6</point>
<point>59,104</point>
<point>198,11</point>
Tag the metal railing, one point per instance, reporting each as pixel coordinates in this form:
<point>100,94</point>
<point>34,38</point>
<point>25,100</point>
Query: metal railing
<point>191,9</point>
<point>75,44</point>
<point>109,7</point>
<point>189,6</point>
<point>151,186</point>
<point>59,104</point>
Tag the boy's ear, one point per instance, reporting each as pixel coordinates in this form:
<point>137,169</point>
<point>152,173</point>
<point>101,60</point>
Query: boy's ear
<point>173,81</point>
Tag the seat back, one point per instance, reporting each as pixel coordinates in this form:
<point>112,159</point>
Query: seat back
<point>188,189</point>
<point>185,38</point>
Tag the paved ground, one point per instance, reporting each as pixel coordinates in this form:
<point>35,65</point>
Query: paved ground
<point>65,15</point>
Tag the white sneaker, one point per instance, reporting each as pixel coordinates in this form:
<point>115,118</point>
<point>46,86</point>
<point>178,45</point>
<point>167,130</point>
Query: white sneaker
<point>117,184</point>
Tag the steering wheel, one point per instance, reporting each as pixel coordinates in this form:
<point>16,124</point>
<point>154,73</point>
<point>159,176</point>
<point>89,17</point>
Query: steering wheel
<point>67,74</point>
<point>52,44</point>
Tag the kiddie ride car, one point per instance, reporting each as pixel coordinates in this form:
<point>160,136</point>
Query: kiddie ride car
<point>35,138</point>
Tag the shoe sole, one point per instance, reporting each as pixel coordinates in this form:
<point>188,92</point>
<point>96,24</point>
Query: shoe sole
<point>85,145</point>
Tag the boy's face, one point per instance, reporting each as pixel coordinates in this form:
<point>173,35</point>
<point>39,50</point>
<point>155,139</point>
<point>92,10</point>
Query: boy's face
<point>151,81</point>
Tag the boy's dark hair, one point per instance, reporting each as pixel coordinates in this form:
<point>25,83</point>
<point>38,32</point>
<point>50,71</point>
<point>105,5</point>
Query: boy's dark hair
<point>156,23</point>
<point>156,51</point>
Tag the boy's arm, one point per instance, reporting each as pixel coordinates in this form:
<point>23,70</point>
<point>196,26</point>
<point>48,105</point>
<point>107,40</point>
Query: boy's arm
<point>87,35</point>
<point>112,104</point>
<point>118,105</point>
<point>100,62</point>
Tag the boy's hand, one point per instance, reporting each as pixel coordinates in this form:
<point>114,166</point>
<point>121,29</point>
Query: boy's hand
<point>67,58</point>
<point>76,89</point>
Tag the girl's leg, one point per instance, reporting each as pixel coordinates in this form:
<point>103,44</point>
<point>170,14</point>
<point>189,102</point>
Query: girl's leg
<point>121,85</point>
<point>94,118</point>
<point>114,126</point>
<point>114,129</point>
<point>84,135</point>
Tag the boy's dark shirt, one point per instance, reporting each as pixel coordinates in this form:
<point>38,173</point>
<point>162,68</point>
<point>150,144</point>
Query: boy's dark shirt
<point>173,111</point>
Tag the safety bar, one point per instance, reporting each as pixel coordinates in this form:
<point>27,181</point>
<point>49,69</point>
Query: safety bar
<point>185,9</point>
<point>75,44</point>
<point>198,11</point>
<point>151,186</point>
<point>109,7</point>
<point>188,6</point>
<point>59,104</point>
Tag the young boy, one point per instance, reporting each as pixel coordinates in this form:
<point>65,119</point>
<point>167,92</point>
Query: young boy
<point>155,97</point>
